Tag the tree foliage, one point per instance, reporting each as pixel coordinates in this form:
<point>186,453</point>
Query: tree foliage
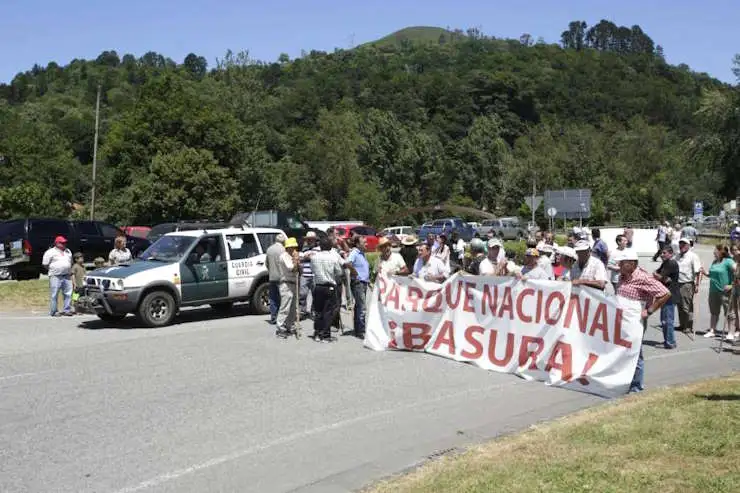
<point>460,117</point>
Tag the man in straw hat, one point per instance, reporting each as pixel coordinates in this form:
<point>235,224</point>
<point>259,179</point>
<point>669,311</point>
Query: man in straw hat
<point>409,251</point>
<point>531,268</point>
<point>288,265</point>
<point>390,263</point>
<point>636,284</point>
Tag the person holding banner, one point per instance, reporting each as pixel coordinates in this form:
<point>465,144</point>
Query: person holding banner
<point>531,268</point>
<point>428,267</point>
<point>390,263</point>
<point>589,270</point>
<point>495,263</point>
<point>636,284</point>
<point>564,270</point>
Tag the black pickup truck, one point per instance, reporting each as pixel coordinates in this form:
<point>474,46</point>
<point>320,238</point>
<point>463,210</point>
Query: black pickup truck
<point>24,241</point>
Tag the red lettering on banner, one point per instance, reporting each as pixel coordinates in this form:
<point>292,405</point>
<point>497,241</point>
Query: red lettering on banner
<point>520,302</point>
<point>410,335</point>
<point>446,337</point>
<point>575,306</point>
<point>493,343</point>
<point>618,331</point>
<point>564,353</point>
<point>437,306</point>
<point>468,303</point>
<point>600,322</point>
<point>507,305</point>
<point>539,307</point>
<point>393,297</point>
<point>392,326</point>
<point>477,346</point>
<point>489,300</point>
<point>526,355</point>
<point>592,359</point>
<point>382,284</point>
<point>448,294</point>
<point>554,296</point>
<point>414,295</point>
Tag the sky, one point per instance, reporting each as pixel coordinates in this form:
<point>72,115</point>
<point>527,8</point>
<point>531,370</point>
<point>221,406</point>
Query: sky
<point>700,33</point>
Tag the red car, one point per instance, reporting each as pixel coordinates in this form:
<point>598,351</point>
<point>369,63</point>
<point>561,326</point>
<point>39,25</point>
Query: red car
<point>137,231</point>
<point>346,232</point>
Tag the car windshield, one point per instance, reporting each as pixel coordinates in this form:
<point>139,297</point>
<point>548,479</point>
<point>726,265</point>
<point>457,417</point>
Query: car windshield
<point>169,248</point>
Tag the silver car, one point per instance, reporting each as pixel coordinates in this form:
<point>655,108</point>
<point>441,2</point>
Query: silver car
<point>505,228</point>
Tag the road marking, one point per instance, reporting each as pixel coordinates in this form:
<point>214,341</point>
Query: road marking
<point>163,478</point>
<point>20,375</point>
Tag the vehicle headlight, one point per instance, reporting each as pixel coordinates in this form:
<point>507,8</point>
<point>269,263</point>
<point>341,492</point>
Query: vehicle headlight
<point>116,285</point>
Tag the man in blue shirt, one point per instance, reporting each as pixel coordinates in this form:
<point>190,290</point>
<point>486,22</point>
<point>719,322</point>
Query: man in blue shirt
<point>360,269</point>
<point>599,250</point>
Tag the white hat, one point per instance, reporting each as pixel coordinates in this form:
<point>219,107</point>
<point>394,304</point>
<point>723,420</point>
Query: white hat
<point>495,242</point>
<point>311,234</point>
<point>582,246</point>
<point>567,251</point>
<point>685,240</point>
<point>544,247</point>
<point>629,254</point>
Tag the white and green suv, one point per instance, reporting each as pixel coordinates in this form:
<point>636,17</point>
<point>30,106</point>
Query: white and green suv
<point>185,268</point>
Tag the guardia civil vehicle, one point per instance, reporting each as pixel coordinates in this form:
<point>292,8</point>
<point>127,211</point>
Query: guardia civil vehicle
<point>185,268</point>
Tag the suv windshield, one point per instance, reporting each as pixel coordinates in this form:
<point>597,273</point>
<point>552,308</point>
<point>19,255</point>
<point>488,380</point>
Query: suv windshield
<point>168,248</point>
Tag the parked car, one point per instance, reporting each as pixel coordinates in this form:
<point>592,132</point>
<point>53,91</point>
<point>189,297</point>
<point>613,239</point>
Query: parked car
<point>24,242</point>
<point>505,228</point>
<point>400,232</point>
<point>137,231</point>
<point>290,223</point>
<point>447,226</point>
<point>370,234</point>
<point>162,229</point>
<point>185,268</point>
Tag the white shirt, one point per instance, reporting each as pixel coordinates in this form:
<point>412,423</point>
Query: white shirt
<point>443,253</point>
<point>59,262</point>
<point>488,268</point>
<point>536,272</point>
<point>614,257</point>
<point>459,249</point>
<point>433,267</point>
<point>117,256</point>
<point>689,266</point>
<point>545,263</point>
<point>392,265</point>
<point>594,270</point>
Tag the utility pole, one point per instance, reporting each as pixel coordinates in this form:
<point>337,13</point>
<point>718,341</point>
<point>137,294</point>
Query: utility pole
<point>534,192</point>
<point>95,157</point>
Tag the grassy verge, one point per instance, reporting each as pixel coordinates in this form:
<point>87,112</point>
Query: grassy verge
<point>676,440</point>
<point>24,295</point>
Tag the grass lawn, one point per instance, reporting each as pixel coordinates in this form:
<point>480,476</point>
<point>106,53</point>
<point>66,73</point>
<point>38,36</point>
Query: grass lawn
<point>25,295</point>
<point>683,439</point>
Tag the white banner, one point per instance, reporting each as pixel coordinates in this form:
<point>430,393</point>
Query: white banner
<point>572,337</point>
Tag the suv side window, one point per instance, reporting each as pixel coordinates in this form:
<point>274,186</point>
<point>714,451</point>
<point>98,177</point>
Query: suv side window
<point>242,246</point>
<point>87,228</point>
<point>49,228</point>
<point>266,240</point>
<point>108,230</point>
<point>208,249</point>
<point>293,223</point>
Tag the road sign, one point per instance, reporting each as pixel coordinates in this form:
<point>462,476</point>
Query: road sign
<point>569,204</point>
<point>552,212</point>
<point>537,201</point>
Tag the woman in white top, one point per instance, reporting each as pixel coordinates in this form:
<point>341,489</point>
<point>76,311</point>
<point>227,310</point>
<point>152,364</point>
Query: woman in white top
<point>120,254</point>
<point>442,252</point>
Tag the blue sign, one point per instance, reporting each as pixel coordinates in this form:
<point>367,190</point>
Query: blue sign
<point>698,208</point>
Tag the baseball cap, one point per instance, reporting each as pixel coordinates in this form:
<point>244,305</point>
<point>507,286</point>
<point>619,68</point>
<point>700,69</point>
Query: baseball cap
<point>567,251</point>
<point>495,242</point>
<point>581,246</point>
<point>685,240</point>
<point>60,239</point>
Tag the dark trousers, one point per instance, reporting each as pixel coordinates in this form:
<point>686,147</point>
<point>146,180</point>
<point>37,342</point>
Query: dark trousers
<point>325,307</point>
<point>661,245</point>
<point>359,291</point>
<point>274,300</point>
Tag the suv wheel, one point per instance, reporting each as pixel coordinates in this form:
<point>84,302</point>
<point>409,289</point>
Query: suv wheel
<point>260,302</point>
<point>157,309</point>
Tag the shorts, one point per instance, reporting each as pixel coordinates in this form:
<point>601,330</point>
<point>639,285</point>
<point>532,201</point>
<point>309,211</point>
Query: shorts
<point>720,302</point>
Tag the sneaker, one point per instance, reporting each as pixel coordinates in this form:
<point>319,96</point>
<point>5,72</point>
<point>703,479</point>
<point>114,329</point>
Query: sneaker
<point>709,334</point>
<point>669,346</point>
<point>327,340</point>
<point>731,337</point>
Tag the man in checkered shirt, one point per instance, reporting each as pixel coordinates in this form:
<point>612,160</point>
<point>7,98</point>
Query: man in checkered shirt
<point>636,284</point>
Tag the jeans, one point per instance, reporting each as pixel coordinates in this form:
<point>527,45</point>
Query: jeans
<point>274,300</point>
<point>63,284</point>
<point>666,322</point>
<point>306,287</point>
<point>639,377</point>
<point>359,290</point>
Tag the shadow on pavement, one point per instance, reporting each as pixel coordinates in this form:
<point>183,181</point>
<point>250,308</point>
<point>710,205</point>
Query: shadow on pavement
<point>200,314</point>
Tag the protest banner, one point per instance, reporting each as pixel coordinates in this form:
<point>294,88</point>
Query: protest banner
<point>564,335</point>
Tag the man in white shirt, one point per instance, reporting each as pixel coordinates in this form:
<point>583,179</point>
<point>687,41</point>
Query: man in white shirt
<point>390,263</point>
<point>428,267</point>
<point>615,256</point>
<point>545,259</point>
<point>58,261</point>
<point>689,268</point>
<point>495,263</point>
<point>588,270</point>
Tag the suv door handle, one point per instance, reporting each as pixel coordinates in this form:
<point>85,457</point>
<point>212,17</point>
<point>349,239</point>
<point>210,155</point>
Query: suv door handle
<point>260,262</point>
<point>83,240</point>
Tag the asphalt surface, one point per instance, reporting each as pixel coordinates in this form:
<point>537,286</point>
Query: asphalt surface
<point>219,404</point>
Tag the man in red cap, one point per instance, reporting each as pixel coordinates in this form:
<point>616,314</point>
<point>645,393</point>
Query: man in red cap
<point>58,262</point>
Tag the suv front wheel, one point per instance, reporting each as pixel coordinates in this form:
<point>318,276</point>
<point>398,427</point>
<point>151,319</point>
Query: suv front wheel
<point>260,302</point>
<point>157,309</point>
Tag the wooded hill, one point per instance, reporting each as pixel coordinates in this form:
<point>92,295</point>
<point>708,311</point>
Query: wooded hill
<point>386,126</point>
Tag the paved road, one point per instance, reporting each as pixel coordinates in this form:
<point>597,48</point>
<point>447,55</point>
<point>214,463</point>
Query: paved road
<point>221,405</point>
